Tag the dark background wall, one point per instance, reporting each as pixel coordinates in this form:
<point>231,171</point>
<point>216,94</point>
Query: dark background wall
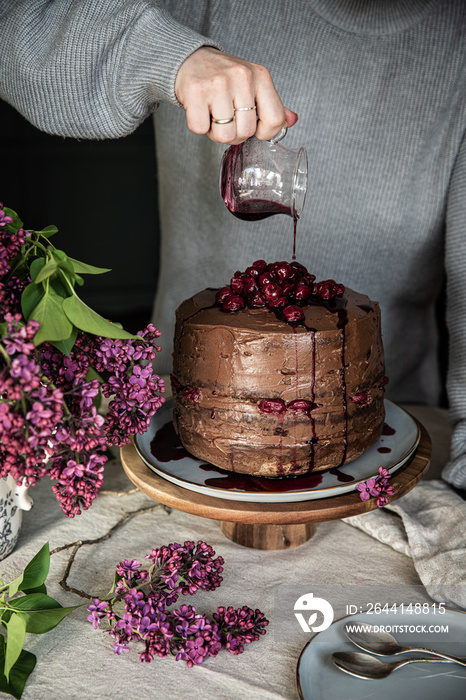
<point>102,197</point>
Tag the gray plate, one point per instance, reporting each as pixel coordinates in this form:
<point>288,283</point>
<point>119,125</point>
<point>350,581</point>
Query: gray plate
<point>319,679</point>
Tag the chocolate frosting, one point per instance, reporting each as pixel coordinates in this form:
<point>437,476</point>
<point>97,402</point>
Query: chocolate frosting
<point>325,378</point>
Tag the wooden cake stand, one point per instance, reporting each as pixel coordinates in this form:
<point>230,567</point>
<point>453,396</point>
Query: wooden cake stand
<point>271,525</point>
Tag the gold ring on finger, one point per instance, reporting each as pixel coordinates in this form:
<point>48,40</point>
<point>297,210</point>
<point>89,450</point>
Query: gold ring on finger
<point>223,121</point>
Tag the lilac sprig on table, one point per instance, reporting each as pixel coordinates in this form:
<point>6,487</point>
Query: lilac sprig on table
<point>137,609</point>
<point>57,358</point>
<point>378,488</point>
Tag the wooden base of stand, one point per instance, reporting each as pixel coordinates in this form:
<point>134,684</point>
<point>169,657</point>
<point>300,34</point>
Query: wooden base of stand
<point>270,525</point>
<point>269,536</point>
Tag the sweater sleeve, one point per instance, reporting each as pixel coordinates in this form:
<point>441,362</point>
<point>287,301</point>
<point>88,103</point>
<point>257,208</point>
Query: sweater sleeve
<point>90,69</point>
<point>455,264</point>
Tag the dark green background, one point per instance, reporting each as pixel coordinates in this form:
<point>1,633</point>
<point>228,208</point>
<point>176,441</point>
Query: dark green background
<point>102,197</point>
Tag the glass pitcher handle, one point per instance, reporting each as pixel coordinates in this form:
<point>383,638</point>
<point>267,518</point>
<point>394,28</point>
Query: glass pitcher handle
<point>281,135</point>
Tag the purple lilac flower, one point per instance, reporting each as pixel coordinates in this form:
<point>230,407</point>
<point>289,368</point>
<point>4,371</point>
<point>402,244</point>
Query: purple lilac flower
<point>98,610</point>
<point>379,487</point>
<point>4,219</point>
<point>239,627</point>
<point>186,568</point>
<point>367,489</point>
<point>383,473</point>
<point>381,501</point>
<point>189,636</point>
<point>48,417</point>
<point>128,567</point>
<point>77,446</point>
<point>10,243</point>
<point>29,408</point>
<point>10,296</point>
<point>195,650</point>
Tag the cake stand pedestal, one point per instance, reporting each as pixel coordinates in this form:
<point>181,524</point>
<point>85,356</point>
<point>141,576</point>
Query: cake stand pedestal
<point>270,525</point>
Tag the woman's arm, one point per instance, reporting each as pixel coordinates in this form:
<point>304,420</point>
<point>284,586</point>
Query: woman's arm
<point>90,69</point>
<point>95,70</point>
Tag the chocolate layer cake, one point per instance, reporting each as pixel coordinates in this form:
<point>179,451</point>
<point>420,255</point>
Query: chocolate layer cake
<point>278,389</point>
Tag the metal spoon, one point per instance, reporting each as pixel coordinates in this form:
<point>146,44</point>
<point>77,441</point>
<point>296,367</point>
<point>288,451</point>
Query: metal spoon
<point>384,644</point>
<point>370,667</point>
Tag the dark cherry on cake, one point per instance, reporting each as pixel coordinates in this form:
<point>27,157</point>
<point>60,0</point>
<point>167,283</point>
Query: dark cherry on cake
<point>276,374</point>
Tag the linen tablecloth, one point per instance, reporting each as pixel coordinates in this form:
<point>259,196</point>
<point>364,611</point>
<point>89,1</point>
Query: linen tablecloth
<point>76,662</point>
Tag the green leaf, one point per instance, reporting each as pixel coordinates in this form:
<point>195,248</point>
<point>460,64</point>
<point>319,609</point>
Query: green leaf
<point>34,574</point>
<point>37,570</point>
<point>116,577</point>
<point>5,617</point>
<point>54,324</point>
<point>88,320</point>
<point>38,589</point>
<point>31,296</point>
<point>35,267</point>
<point>65,266</point>
<point>17,223</point>
<point>16,630</point>
<point>46,271</point>
<point>93,374</point>
<point>66,346</point>
<point>84,268</point>
<point>19,673</point>
<point>48,231</point>
<point>63,261</point>
<point>67,279</point>
<point>40,612</point>
<point>58,286</point>
<point>33,602</point>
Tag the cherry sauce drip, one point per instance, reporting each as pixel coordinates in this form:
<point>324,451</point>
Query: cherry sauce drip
<point>296,384</point>
<point>280,419</point>
<point>341,476</point>
<point>295,223</point>
<point>166,446</point>
<point>342,321</point>
<point>260,484</point>
<point>338,306</point>
<point>312,442</point>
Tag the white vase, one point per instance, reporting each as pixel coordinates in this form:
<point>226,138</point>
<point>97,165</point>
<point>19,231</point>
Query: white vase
<point>13,500</point>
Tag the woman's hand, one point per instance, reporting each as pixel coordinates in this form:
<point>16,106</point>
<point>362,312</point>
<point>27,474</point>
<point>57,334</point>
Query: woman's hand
<point>212,85</point>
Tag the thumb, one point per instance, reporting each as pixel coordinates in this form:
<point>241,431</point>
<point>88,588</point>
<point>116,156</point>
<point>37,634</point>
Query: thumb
<point>291,117</point>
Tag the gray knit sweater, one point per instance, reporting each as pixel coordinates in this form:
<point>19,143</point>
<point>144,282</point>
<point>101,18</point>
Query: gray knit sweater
<point>380,88</point>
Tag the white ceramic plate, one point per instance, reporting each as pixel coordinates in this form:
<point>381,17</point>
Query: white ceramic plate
<point>319,679</point>
<point>161,451</point>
